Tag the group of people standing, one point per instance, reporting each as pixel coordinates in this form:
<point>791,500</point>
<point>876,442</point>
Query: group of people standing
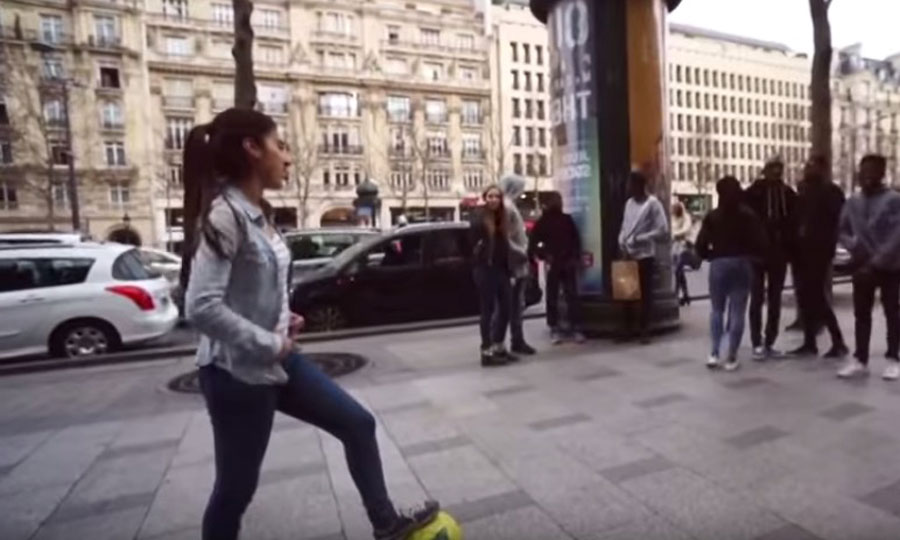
<point>502,256</point>
<point>755,235</point>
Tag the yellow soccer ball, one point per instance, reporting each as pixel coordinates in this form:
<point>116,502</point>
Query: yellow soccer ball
<point>444,527</point>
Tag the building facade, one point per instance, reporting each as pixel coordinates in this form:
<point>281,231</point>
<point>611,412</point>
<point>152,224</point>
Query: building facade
<point>734,103</point>
<point>866,113</point>
<point>78,67</point>
<point>520,75</point>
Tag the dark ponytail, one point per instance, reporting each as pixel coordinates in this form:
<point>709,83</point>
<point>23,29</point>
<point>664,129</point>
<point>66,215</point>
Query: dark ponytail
<point>214,157</point>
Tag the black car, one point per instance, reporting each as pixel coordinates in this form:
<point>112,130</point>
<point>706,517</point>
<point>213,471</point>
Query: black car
<point>419,272</point>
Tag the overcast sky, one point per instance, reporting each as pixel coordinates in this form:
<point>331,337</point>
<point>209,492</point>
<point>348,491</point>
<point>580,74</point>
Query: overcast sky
<point>874,23</point>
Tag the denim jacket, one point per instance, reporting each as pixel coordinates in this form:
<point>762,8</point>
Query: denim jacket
<point>235,300</point>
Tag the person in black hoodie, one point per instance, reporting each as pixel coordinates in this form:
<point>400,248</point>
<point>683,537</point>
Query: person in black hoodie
<point>775,204</point>
<point>555,240</point>
<point>731,238</point>
<point>818,215</point>
<point>493,275</point>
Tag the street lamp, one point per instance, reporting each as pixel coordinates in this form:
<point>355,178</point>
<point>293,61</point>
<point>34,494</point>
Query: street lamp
<point>45,49</point>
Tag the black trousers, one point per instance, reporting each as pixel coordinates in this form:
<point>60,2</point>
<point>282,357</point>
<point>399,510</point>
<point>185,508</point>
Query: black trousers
<point>865,284</point>
<point>768,284</point>
<point>637,314</point>
<point>812,277</point>
<point>565,276</point>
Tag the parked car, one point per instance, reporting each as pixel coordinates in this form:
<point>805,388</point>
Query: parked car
<point>78,300</point>
<point>419,272</point>
<point>21,238</point>
<point>842,262</point>
<point>314,248</point>
<point>166,264</point>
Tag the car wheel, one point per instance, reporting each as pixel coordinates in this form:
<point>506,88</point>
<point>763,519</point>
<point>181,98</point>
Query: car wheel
<point>82,339</point>
<point>325,318</point>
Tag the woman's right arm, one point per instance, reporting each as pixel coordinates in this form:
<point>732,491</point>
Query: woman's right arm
<point>205,302</point>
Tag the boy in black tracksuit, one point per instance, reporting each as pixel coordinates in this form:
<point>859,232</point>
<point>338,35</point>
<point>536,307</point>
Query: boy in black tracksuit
<point>776,205</point>
<point>556,241</point>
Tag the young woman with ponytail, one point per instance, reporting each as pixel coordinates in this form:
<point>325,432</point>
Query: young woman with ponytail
<point>237,298</point>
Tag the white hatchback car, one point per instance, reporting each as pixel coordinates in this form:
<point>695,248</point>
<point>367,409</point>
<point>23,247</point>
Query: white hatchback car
<point>79,300</point>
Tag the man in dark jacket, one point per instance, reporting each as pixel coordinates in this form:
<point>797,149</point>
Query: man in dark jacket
<point>819,208</point>
<point>775,204</point>
<point>556,241</point>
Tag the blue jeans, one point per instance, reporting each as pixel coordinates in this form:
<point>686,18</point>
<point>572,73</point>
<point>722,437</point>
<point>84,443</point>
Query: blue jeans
<point>729,286</point>
<point>495,293</point>
<point>242,416</point>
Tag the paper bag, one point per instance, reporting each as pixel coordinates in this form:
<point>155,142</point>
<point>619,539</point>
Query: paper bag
<point>626,281</point>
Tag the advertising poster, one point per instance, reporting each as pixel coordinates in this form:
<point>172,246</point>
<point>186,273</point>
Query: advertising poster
<point>573,115</point>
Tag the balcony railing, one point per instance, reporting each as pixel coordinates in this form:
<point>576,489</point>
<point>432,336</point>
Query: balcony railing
<point>472,119</point>
<point>439,152</point>
<point>476,155</point>
<point>441,185</point>
<point>178,102</point>
<point>105,42</point>
<point>113,124</point>
<point>334,36</point>
<point>421,45</point>
<point>346,150</point>
<point>436,118</point>
<point>56,123</point>
<point>339,112</point>
<point>400,152</point>
<point>270,30</point>
<point>271,107</point>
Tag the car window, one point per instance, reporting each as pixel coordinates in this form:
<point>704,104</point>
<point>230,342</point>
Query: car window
<point>150,257</point>
<point>402,251</point>
<point>21,274</point>
<point>129,267</point>
<point>317,246</point>
<point>448,247</point>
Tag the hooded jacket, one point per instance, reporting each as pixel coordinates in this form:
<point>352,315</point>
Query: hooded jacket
<point>819,206</point>
<point>775,203</point>
<point>513,187</point>
<point>555,238</point>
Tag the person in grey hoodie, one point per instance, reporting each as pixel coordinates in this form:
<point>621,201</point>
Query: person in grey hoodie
<point>870,230</point>
<point>513,187</point>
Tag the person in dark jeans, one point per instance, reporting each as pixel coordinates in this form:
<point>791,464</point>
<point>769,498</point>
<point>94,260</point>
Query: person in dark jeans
<point>870,230</point>
<point>644,226</point>
<point>818,214</point>
<point>556,241</point>
<point>493,276</point>
<point>730,238</point>
<point>237,299</point>
<point>775,204</point>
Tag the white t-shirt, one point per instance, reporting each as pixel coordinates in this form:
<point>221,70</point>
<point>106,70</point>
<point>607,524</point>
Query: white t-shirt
<point>283,256</point>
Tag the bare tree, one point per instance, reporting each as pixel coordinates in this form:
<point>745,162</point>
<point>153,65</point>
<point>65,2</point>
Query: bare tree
<point>245,79</point>
<point>424,159</point>
<point>399,156</point>
<point>35,134</point>
<point>304,144</point>
<point>499,150</point>
<point>820,86</point>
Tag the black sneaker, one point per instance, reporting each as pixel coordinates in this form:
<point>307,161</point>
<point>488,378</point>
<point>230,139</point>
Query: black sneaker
<point>837,352</point>
<point>489,359</point>
<point>409,522</point>
<point>523,349</point>
<point>804,351</point>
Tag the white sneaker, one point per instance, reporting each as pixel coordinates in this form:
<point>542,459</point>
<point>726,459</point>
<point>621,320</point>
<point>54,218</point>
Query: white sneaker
<point>712,362</point>
<point>759,353</point>
<point>732,364</point>
<point>852,369</point>
<point>892,371</point>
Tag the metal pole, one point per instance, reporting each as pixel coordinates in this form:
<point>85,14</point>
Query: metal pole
<point>73,186</point>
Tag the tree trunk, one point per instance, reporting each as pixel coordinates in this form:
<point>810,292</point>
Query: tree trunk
<point>820,86</point>
<point>244,80</point>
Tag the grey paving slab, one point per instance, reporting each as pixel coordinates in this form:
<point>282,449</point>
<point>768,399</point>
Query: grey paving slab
<point>701,508</point>
<point>846,411</point>
<point>509,390</point>
<point>15,448</point>
<point>61,460</point>
<point>746,382</point>
<point>417,426</point>
<point>562,421</point>
<point>523,524</point>
<point>102,525</point>
<point>662,401</point>
<point>22,513</point>
<point>429,447</point>
<point>636,469</point>
<point>815,511</point>
<point>755,437</point>
<point>477,509</point>
<point>652,527</point>
<point>180,500</point>
<point>886,498</point>
<point>675,362</point>
<point>598,373</point>
<point>301,508</point>
<point>460,474</point>
<point>789,532</point>
<point>286,474</point>
<point>114,452</point>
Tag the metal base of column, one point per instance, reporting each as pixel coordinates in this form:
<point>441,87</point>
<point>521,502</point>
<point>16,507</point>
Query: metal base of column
<point>605,318</point>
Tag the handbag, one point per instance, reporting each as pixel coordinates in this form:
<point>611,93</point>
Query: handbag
<point>626,281</point>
